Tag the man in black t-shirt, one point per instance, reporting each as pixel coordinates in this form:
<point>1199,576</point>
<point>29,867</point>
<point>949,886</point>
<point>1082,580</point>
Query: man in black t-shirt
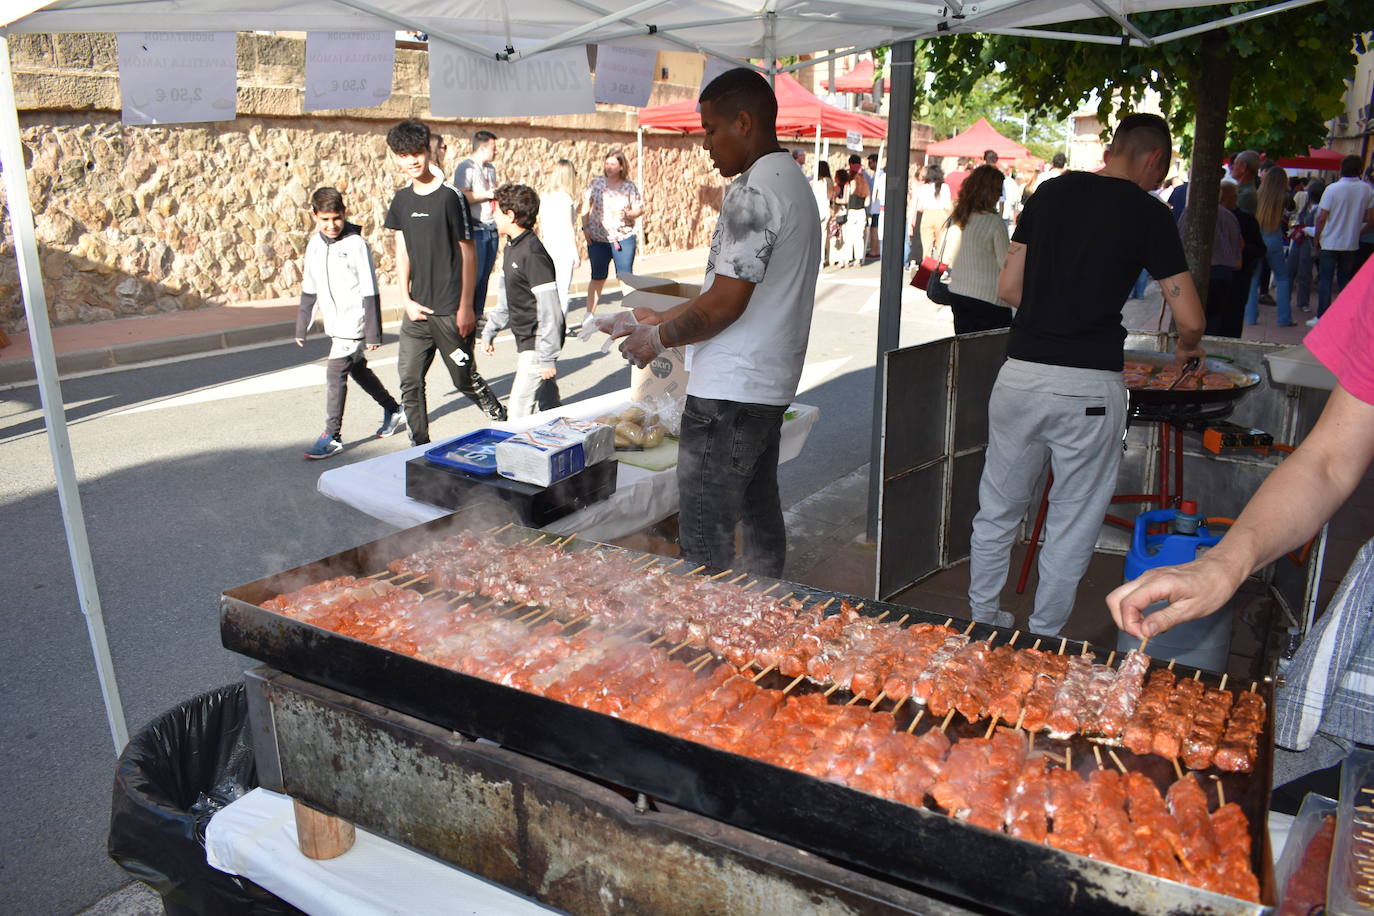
<point>435,268</point>
<point>1079,246</point>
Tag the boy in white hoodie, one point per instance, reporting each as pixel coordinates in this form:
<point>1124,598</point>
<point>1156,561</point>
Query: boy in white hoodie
<point>339,282</point>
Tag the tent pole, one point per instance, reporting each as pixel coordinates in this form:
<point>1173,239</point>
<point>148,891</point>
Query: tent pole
<point>50,392</point>
<point>817,166</point>
<point>890,292</point>
<point>639,157</point>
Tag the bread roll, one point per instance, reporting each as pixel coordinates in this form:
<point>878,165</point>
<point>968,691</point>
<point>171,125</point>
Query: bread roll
<point>653,435</point>
<point>632,432</point>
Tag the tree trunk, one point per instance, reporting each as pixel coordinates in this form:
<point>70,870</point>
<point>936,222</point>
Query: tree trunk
<point>1212,100</point>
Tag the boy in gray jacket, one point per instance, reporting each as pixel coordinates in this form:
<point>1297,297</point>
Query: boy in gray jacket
<point>340,283</point>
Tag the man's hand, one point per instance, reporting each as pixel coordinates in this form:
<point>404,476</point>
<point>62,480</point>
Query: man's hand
<point>374,346</point>
<point>300,342</point>
<point>647,316</point>
<point>417,312</point>
<point>641,344</point>
<point>489,347</point>
<point>466,320</point>
<point>550,372</point>
<point>1193,590</point>
<point>1182,354</point>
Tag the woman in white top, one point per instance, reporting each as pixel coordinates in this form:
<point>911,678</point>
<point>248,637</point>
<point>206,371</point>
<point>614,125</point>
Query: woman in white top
<point>933,204</point>
<point>823,189</point>
<point>977,243</point>
<point>558,226</point>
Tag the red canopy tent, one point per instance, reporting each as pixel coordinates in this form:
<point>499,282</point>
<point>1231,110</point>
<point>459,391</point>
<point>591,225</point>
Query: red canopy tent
<point>860,79</point>
<point>1319,159</point>
<point>799,112</point>
<point>979,138</point>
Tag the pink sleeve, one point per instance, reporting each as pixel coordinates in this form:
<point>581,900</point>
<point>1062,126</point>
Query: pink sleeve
<point>1344,338</point>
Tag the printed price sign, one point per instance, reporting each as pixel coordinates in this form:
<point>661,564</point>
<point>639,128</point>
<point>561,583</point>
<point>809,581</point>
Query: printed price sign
<point>714,68</point>
<point>463,85</point>
<point>624,76</point>
<point>348,69</point>
<point>854,140</point>
<point>177,77</point>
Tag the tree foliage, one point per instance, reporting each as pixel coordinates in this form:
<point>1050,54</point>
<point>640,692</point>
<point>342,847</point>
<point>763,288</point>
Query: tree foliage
<point>1290,70</point>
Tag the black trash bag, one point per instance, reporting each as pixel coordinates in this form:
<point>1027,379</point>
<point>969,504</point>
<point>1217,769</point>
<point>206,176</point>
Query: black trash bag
<point>171,779</point>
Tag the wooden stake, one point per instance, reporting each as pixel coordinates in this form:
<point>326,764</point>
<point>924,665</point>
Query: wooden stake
<point>700,663</point>
<point>380,575</point>
<point>945,724</point>
<point>410,580</point>
<point>529,614</point>
<point>1085,648</point>
<point>1178,770</point>
<point>536,540</point>
<point>1062,643</point>
<point>756,677</point>
<point>1253,685</point>
<point>576,620</point>
<point>1221,794</point>
<point>797,680</point>
<point>856,698</point>
<point>1197,675</point>
<point>858,607</point>
<point>1021,718</point>
<point>827,604</point>
<point>1172,662</point>
<point>750,584</point>
<point>969,628</point>
<point>320,835</point>
<point>912,727</point>
<point>1036,647</point>
<point>433,591</point>
<point>881,616</point>
<point>785,597</point>
<point>949,621</point>
<point>674,563</point>
<point>679,645</point>
<point>1111,657</point>
<point>882,695</point>
<point>719,574</point>
<point>898,706</point>
<point>1222,685</point>
<point>1068,756</point>
<point>1143,643</point>
<point>771,587</point>
<point>991,727</point>
<point>1117,760</point>
<point>735,580</point>
<point>831,689</point>
<point>1097,753</point>
<point>502,528</point>
<point>657,641</point>
<point>697,570</point>
<point>1011,643</point>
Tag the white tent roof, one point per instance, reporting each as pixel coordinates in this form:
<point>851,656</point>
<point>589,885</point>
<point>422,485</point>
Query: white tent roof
<point>726,28</point>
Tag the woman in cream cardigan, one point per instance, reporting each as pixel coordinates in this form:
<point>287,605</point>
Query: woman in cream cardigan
<point>978,241</point>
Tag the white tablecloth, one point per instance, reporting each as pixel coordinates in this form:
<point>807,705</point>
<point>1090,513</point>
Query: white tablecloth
<point>256,837</point>
<point>377,486</point>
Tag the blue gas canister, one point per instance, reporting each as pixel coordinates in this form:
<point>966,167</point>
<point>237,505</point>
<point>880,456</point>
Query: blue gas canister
<point>1203,643</point>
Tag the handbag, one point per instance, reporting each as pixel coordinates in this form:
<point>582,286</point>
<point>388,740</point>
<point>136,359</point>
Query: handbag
<point>930,274</point>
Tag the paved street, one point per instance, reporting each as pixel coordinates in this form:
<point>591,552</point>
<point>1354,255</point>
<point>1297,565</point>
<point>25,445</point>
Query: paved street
<point>192,480</point>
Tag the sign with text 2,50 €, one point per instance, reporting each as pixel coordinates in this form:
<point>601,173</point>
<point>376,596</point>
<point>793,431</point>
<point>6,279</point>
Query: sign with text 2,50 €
<point>348,69</point>
<point>178,77</point>
<point>624,76</point>
<point>463,85</point>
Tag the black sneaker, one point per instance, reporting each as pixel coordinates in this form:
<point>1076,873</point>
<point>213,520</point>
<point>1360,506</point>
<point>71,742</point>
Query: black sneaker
<point>490,405</point>
<point>324,447</point>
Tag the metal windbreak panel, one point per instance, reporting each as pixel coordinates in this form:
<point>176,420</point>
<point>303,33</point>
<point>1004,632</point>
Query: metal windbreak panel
<point>978,358</point>
<point>966,473</point>
<point>916,406</point>
<point>910,528</point>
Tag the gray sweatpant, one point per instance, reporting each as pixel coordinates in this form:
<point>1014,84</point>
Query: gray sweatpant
<point>1074,420</point>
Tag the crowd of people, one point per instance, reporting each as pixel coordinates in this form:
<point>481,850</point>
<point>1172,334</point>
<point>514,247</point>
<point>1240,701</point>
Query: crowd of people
<point>448,230</point>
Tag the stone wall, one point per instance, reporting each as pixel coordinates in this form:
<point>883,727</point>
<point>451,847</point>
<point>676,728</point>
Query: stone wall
<point>141,220</point>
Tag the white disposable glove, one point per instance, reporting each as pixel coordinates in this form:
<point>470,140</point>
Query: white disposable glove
<point>642,344</point>
<point>614,325</point>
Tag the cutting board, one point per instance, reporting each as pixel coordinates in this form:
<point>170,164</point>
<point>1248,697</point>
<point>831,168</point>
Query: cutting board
<point>659,458</point>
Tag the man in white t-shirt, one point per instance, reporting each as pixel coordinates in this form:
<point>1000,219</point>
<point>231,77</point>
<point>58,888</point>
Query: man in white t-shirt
<point>876,179</point>
<point>1346,210</point>
<point>748,330</point>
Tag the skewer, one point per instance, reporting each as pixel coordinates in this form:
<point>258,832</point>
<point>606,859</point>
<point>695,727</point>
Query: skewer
<point>858,607</point>
<point>1085,648</point>
<point>1117,760</point>
<point>905,618</point>
<point>1143,643</point>
<point>945,723</point>
<point>657,641</point>
<point>756,677</point>
<point>991,727</point>
<point>969,628</point>
<point>1062,643</point>
<point>536,540</point>
<point>679,645</point>
<point>912,727</point>
<point>1036,647</point>
<point>700,661</point>
<point>770,588</point>
<point>750,584</point>
<point>881,616</point>
<point>894,709</point>
<point>1253,685</point>
<point>541,617</point>
<point>948,621</point>
<point>1367,791</point>
<point>856,698</point>
<point>379,575</point>
<point>1097,753</point>
<point>1222,685</point>
<point>1221,794</point>
<point>1068,756</point>
<point>410,580</point>
<point>785,597</point>
<point>480,607</point>
<point>1172,662</point>
<point>641,632</point>
<point>719,574</point>
<point>674,563</point>
<point>1111,656</point>
<point>697,570</point>
<point>795,681</point>
<point>433,591</point>
<point>737,578</point>
<point>831,689</point>
<point>1011,643</point>
<point>1021,718</point>
<point>529,614</point>
<point>882,695</point>
<point>646,562</point>
<point>1178,770</point>
<point>1197,675</point>
<point>576,620</point>
<point>826,605</point>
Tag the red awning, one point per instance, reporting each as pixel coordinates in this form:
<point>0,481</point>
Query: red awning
<point>979,138</point>
<point>1317,159</point>
<point>798,114</point>
<point>860,79</point>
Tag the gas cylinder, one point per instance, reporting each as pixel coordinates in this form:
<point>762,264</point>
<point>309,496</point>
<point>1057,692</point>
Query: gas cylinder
<point>1202,643</point>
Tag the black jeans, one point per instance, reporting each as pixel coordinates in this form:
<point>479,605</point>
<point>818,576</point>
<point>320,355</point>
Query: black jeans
<point>336,375</point>
<point>419,340</point>
<point>727,474</point>
<point>976,315</point>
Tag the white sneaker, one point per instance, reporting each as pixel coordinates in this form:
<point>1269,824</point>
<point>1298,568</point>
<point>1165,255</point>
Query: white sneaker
<point>1312,322</point>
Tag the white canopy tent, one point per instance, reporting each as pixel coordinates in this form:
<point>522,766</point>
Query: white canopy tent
<point>733,31</point>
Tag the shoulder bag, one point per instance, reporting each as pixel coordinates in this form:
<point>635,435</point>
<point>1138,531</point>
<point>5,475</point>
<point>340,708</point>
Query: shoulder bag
<point>930,275</point>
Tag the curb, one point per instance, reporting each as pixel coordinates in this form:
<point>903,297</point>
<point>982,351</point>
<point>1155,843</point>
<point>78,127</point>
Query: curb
<point>129,355</point>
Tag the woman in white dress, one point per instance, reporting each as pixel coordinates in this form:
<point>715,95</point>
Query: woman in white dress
<point>558,226</point>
